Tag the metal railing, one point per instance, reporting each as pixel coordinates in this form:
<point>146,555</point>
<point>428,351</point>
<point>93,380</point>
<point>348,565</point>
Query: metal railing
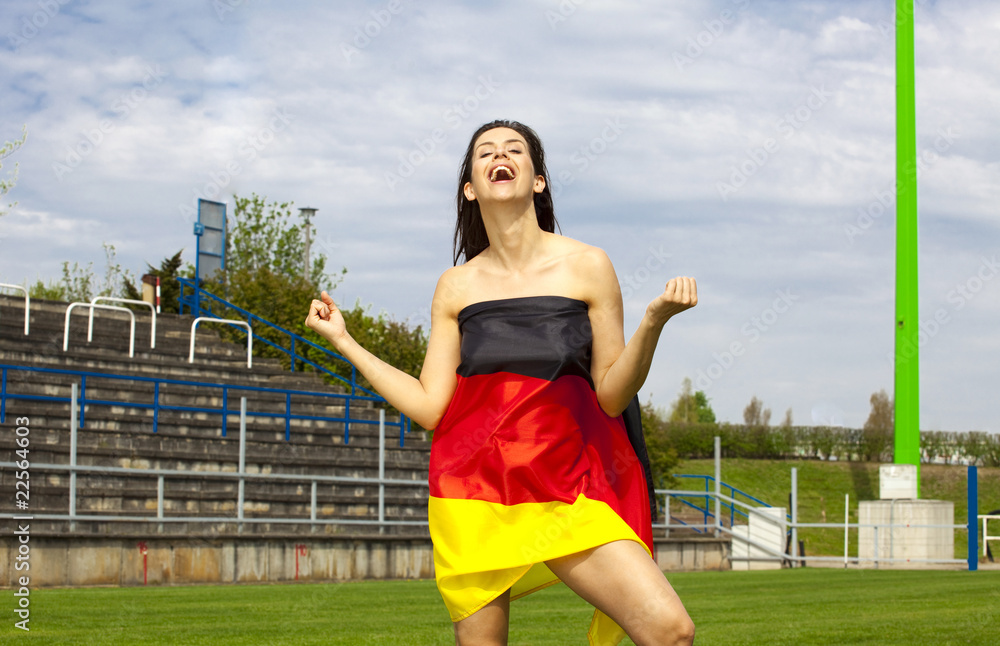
<point>131,301</point>
<point>90,330</point>
<point>193,297</point>
<point>200,319</point>
<point>986,536</point>
<point>769,553</point>
<point>27,304</point>
<point>790,524</point>
<point>241,477</point>
<point>224,390</point>
<point>735,513</point>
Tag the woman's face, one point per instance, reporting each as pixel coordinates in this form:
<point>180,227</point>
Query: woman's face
<point>501,168</point>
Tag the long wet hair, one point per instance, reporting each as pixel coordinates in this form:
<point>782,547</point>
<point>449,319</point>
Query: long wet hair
<point>470,232</point>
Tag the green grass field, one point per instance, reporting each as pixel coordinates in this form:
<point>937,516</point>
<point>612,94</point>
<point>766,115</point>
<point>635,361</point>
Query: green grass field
<point>802,606</point>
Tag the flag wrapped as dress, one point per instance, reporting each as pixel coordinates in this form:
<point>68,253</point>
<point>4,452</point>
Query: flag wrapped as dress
<point>525,465</point>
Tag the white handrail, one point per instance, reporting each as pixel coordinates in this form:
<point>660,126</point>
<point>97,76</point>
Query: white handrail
<point>131,336</point>
<point>194,326</point>
<point>987,537</point>
<point>152,334</point>
<point>27,304</point>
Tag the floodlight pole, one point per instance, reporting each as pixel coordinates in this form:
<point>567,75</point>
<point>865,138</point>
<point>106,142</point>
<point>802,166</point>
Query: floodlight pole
<point>907,365</point>
<point>307,212</point>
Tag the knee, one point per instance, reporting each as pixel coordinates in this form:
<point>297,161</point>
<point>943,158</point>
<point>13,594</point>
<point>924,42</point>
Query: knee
<point>683,631</point>
<point>670,630</point>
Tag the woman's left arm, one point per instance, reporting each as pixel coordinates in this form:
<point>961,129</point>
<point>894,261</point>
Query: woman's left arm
<point>619,369</point>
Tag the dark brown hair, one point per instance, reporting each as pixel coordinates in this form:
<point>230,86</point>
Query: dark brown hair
<point>470,232</point>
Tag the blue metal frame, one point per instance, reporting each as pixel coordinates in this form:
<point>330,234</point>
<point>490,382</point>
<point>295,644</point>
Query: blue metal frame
<point>156,406</point>
<point>194,302</point>
<point>194,298</point>
<point>972,500</point>
<point>734,511</point>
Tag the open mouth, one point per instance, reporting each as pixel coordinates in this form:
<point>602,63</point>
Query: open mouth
<point>501,174</point>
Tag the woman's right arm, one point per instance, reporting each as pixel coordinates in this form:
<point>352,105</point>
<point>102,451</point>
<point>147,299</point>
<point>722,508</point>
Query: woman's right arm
<point>424,400</point>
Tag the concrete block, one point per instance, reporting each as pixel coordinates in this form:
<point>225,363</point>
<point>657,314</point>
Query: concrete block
<point>908,540</point>
<point>897,481</point>
<point>756,544</point>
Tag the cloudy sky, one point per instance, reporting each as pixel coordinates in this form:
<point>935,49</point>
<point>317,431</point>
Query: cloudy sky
<point>748,143</point>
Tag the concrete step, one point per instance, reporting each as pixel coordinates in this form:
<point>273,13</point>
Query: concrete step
<point>119,435</point>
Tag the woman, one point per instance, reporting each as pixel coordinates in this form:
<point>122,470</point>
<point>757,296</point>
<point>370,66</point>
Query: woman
<point>527,373</point>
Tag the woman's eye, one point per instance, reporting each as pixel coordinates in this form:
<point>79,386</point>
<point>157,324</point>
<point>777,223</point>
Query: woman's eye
<point>485,155</point>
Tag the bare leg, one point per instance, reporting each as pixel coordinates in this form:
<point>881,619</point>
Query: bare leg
<point>622,581</point>
<point>487,626</point>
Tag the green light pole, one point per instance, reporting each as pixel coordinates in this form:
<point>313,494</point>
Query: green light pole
<point>907,365</point>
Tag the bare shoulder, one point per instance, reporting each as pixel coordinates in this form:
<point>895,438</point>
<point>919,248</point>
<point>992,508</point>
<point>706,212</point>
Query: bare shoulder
<point>589,265</point>
<point>452,292</point>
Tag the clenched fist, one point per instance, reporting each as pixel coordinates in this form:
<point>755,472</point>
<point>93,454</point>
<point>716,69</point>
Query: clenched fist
<point>326,319</point>
<point>680,294</point>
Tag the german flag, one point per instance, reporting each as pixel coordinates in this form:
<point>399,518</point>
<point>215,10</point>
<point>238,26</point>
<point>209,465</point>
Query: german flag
<point>525,465</point>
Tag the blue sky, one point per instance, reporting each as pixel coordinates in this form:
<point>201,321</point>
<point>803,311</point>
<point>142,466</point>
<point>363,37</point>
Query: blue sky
<point>747,143</point>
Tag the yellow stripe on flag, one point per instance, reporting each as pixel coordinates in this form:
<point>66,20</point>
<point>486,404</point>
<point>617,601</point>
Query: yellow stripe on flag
<point>482,548</point>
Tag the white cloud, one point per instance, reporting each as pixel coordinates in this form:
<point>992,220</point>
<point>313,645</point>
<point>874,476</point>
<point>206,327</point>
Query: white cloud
<point>697,88</point>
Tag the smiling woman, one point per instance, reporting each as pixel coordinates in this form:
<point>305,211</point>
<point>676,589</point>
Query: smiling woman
<point>469,228</point>
<point>530,386</point>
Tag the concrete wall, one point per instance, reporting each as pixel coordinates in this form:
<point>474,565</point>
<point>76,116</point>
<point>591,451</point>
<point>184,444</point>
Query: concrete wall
<point>72,562</point>
<point>691,554</point>
<point>767,528</point>
<point>905,542</point>
<point>158,561</point>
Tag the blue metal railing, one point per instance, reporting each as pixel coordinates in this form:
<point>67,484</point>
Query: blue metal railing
<point>195,302</point>
<point>727,491</point>
<point>156,406</point>
<point>194,298</point>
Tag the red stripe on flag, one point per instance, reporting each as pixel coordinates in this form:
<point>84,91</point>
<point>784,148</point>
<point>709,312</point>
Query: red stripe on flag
<point>512,439</point>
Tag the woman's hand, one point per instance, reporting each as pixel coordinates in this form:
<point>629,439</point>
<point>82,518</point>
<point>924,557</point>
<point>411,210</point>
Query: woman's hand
<point>326,319</point>
<point>680,294</point>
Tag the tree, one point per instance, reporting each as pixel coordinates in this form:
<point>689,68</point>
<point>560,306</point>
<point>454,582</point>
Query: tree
<point>265,267</point>
<point>264,237</point>
<point>691,408</point>
<point>8,149</point>
<point>787,437</point>
<point>264,273</point>
<point>755,414</point>
<point>79,284</point>
<point>663,457</point>
<point>170,288</point>
<point>877,434</point>
<point>393,342</point>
